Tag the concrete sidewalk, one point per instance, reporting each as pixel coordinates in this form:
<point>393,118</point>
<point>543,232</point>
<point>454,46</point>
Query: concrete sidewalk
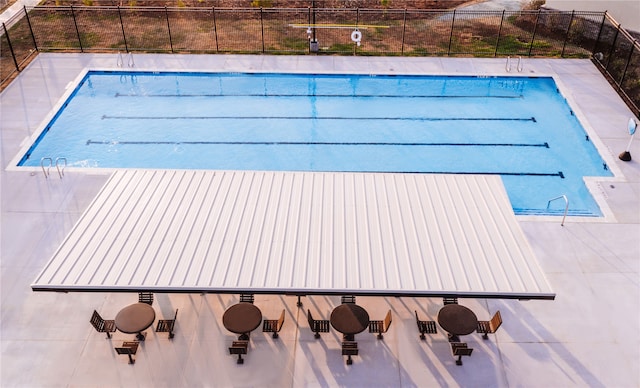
<point>588,336</point>
<point>14,9</point>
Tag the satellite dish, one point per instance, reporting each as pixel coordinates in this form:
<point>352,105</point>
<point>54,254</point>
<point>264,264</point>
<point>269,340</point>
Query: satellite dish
<point>632,126</point>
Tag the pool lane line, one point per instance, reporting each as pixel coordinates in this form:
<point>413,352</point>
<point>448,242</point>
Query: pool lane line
<point>318,95</point>
<point>559,174</point>
<point>106,117</point>
<point>278,143</point>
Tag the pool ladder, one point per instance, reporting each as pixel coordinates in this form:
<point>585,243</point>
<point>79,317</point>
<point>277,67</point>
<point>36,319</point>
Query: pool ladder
<point>566,206</point>
<point>120,60</point>
<point>61,164</point>
<point>519,65</point>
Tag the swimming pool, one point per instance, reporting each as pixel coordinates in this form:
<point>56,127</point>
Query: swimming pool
<point>520,128</point>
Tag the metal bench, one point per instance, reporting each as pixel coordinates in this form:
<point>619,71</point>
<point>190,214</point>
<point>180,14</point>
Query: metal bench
<point>273,325</point>
<point>460,349</point>
<point>129,348</point>
<point>103,325</point>
<point>349,348</point>
<point>239,348</point>
<point>167,325</point>
<point>491,326</point>
<point>380,326</point>
<point>317,326</point>
<point>450,300</point>
<point>426,327</point>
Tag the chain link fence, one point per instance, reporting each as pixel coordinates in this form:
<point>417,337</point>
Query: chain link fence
<point>318,31</point>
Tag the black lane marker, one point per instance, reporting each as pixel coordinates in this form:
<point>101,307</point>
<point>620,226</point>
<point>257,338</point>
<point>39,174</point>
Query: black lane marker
<point>96,142</point>
<point>559,174</point>
<point>106,117</point>
<point>315,95</point>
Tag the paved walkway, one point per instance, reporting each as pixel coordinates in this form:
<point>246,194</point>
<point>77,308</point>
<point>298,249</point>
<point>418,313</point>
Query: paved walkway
<point>588,336</point>
<point>15,8</point>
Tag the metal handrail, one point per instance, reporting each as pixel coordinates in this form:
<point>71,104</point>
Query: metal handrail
<point>61,171</point>
<point>46,172</point>
<point>119,60</point>
<point>566,207</point>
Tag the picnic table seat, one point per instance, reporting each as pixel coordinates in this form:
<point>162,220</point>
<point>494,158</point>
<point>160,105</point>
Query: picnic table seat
<point>348,299</point>
<point>380,326</point>
<point>460,349</point>
<point>491,326</point>
<point>317,326</point>
<point>273,325</point>
<point>103,325</point>
<point>239,348</point>
<point>349,348</point>
<point>425,327</point>
<point>145,297</point>
<point>167,325</point>
<point>129,348</point>
<point>450,300</point>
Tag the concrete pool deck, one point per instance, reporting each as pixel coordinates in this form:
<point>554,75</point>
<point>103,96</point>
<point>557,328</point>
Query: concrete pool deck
<point>588,336</point>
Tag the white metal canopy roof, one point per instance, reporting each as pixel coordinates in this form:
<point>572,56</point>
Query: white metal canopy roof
<point>298,233</point>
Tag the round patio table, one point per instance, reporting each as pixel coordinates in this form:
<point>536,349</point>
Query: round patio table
<point>349,319</point>
<point>242,318</point>
<point>457,320</point>
<point>135,318</point>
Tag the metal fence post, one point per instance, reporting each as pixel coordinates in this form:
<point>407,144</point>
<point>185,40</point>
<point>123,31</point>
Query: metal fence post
<point>595,46</point>
<point>166,12</point>
<point>626,65</point>
<point>313,20</point>
<point>453,21</point>
<point>124,36</point>
<point>215,27</point>
<point>495,53</point>
<point>566,36</point>
<point>535,28</point>
<point>355,46</point>
<point>404,29</point>
<point>33,36</point>
<point>13,55</point>
<point>262,28</point>
<point>308,29</point>
<point>613,45</point>
<point>75,23</point>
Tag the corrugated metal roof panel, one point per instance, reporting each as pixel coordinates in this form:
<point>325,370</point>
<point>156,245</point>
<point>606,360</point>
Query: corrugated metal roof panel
<point>298,232</point>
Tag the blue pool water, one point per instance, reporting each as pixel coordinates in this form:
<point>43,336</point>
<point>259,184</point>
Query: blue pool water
<point>517,127</point>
